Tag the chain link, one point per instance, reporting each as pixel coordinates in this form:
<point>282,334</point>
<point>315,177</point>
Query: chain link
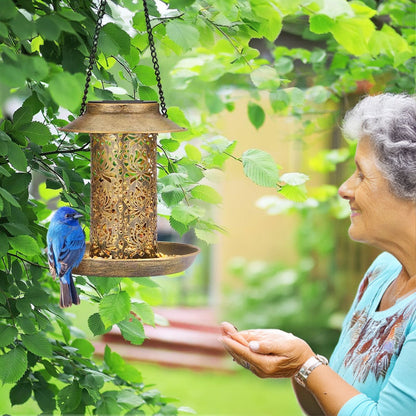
<point>93,52</point>
<point>154,60</point>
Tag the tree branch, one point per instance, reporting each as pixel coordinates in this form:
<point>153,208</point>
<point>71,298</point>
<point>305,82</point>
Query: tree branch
<point>28,261</point>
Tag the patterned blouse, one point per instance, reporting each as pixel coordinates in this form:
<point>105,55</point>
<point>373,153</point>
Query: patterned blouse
<point>376,352</point>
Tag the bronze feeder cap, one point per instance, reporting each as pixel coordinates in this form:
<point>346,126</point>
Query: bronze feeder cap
<point>122,117</point>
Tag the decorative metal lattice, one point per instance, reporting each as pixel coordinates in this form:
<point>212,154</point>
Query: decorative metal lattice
<point>124,207</point>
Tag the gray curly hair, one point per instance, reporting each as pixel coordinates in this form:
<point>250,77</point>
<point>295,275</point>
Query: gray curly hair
<point>389,120</point>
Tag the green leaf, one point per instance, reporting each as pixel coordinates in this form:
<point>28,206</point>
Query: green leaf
<point>105,285</point>
<point>320,23</point>
<point>26,324</point>
<point>22,27</point>
<point>363,10</point>
<point>37,132</point>
<point>69,14</point>
<point>48,27</point>
<point>170,145</point>
<point>353,34</point>
<point>206,193</point>
<point>25,244</point>
<point>180,4</point>
<point>147,93</point>
<point>3,30</point>
<point>294,193</point>
<point>44,396</point>
<point>13,365</point>
<point>144,312</point>
<point>67,89</point>
<point>17,157</point>
<point>178,226</point>
<point>271,22</point>
<point>284,65</point>
<point>69,397</point>
<point>18,183</point>
<point>177,116</point>
<point>113,40</point>
<point>260,167</point>
<point>37,295</point>
<point>11,76</point>
<point>207,235</point>
<point>318,94</point>
<point>8,10</point>
<point>21,392</point>
<point>265,77</point>
<point>129,397</point>
<point>114,308</point>
<point>96,324</point>
<point>389,42</point>
<point>84,347</point>
<point>172,195</point>
<point>7,196</point>
<point>145,74</point>
<point>184,214</point>
<point>23,306</point>
<point>193,153</point>
<point>38,344</point>
<point>183,34</point>
<point>132,330</point>
<point>4,243</point>
<point>108,407</point>
<point>22,115</point>
<point>256,114</point>
<point>116,364</point>
<point>93,381</point>
<point>7,335</point>
<point>279,100</point>
<point>66,333</point>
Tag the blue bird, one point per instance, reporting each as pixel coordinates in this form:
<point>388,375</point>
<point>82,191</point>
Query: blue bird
<point>66,247</point>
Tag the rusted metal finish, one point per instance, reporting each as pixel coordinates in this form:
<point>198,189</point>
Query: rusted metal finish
<point>122,117</point>
<point>124,195</point>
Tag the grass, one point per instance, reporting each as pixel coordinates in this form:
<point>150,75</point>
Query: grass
<point>208,393</point>
<point>218,394</point>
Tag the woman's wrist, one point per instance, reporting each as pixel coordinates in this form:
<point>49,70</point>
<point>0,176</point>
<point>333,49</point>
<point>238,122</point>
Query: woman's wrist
<point>309,365</point>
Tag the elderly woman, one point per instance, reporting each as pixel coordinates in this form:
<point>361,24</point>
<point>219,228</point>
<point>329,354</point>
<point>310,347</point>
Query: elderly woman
<point>372,370</point>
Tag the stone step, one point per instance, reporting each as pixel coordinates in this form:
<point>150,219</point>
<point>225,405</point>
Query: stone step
<point>180,339</point>
<point>191,340</point>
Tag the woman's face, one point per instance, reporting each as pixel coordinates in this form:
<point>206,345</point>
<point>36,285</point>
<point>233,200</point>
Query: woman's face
<point>377,216</point>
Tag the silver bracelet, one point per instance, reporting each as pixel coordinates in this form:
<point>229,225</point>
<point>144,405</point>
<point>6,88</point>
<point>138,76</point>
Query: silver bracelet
<point>307,368</point>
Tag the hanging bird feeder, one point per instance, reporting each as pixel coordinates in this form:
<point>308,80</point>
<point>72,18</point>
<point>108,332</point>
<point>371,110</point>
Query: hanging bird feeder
<point>123,229</point>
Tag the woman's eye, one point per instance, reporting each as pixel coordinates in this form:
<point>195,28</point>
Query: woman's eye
<point>360,175</point>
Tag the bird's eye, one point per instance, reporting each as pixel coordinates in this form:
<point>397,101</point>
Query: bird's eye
<point>67,215</point>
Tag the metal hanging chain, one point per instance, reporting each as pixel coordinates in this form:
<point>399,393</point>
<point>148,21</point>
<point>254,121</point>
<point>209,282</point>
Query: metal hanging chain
<point>93,52</point>
<point>154,60</point>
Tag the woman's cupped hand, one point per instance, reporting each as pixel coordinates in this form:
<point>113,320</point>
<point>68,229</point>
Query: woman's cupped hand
<point>268,353</point>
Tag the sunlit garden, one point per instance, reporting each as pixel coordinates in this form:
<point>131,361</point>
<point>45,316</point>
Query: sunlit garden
<point>193,151</point>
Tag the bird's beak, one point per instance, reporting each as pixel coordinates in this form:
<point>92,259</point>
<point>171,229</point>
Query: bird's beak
<point>76,216</point>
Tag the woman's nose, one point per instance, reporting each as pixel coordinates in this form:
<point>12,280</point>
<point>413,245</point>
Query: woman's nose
<point>345,190</point>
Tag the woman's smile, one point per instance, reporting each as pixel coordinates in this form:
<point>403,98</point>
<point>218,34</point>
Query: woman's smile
<point>380,213</point>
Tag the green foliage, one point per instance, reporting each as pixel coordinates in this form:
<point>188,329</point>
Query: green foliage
<point>208,52</point>
<point>277,296</point>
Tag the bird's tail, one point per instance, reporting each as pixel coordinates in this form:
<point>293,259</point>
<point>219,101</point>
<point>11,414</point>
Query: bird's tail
<point>69,295</point>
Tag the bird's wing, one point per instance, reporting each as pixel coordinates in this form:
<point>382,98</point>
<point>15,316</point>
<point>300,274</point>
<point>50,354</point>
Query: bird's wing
<point>51,258</point>
<point>72,250</point>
